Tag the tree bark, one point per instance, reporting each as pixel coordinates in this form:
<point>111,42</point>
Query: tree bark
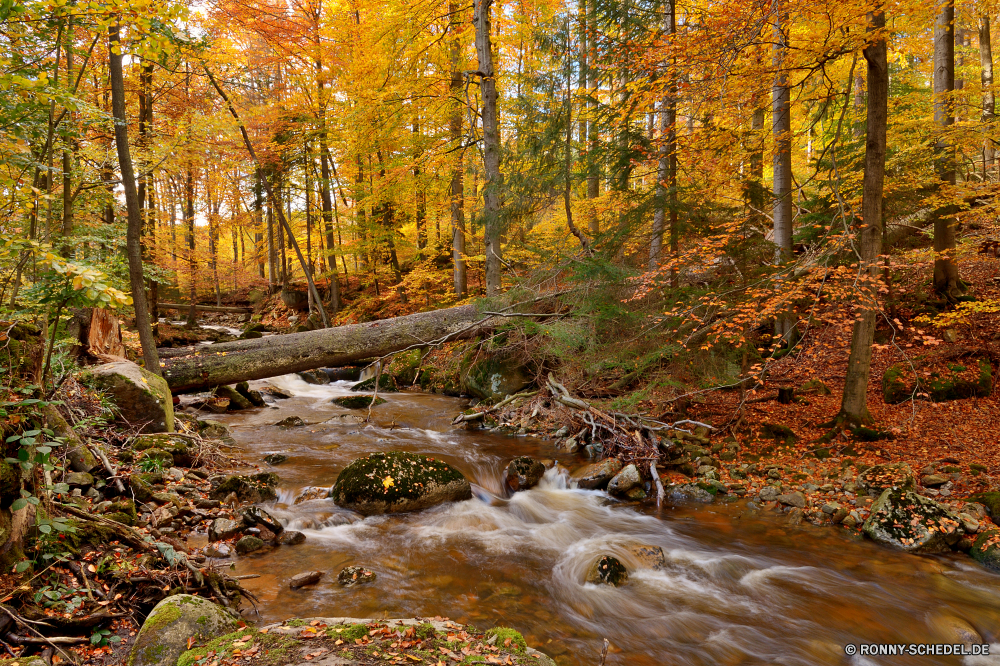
<point>491,147</point>
<point>666,172</point>
<point>989,99</point>
<point>946,282</point>
<point>457,166</point>
<point>244,360</point>
<point>853,407</point>
<point>134,229</point>
<point>781,130</point>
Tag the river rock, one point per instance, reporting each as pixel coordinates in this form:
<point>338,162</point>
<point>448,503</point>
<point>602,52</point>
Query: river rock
<point>396,482</point>
<point>79,479</point>
<point>248,488</point>
<point>625,480</point>
<point>249,544</point>
<point>254,515</point>
<point>211,429</point>
<point>142,398</point>
<point>178,447</point>
<point>905,520</point>
<point>933,480</point>
<point>222,529</point>
<point>986,549</point>
<point>290,422</point>
<point>649,556</point>
<point>312,493</point>
<point>951,629</point>
<point>769,493</point>
<point>495,378</point>
<point>314,377</point>
<point>237,401</point>
<point>276,393</point>
<point>159,458</point>
<point>607,570</point>
<point>688,492</point>
<point>878,478</point>
<point>218,550</point>
<point>165,633</point>
<point>305,578</point>
<point>358,401</point>
<point>523,472</point>
<point>355,575</point>
<point>254,396</point>
<point>275,459</point>
<point>291,538</point>
<point>796,499</point>
<point>597,475</point>
<point>386,384</point>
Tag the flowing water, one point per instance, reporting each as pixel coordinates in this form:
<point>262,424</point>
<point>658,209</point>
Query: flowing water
<point>739,587</point>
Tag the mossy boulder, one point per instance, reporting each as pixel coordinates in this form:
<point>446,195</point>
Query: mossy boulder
<point>158,457</point>
<point>123,511</point>
<point>165,633</point>
<point>991,500</point>
<point>386,384</point>
<point>249,488</point>
<point>986,549</point>
<point>877,478</point>
<point>607,570</point>
<point>178,447</point>
<point>396,482</point>
<point>273,650</point>
<point>907,521</point>
<point>253,395</point>
<point>931,378</point>
<point>356,401</point>
<point>314,377</point>
<point>142,398</point>
<point>77,454</point>
<point>522,473</point>
<point>494,378</point>
<point>237,401</point>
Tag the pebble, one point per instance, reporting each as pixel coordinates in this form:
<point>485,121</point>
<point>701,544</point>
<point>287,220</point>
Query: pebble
<point>305,578</point>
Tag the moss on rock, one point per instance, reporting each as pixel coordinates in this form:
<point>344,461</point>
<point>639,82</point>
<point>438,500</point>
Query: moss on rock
<point>386,384</point>
<point>274,649</point>
<point>905,520</point>
<point>356,401</point>
<point>164,634</point>
<point>250,488</point>
<point>937,380</point>
<point>398,481</point>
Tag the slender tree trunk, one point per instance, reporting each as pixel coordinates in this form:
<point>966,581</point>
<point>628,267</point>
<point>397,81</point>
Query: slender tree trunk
<point>666,171</point>
<point>258,236</point>
<point>189,229</point>
<point>853,408</point>
<point>420,214</point>
<point>568,157</point>
<point>491,147</point>
<point>67,157</point>
<point>989,99</point>
<point>781,129</point>
<point>325,163</point>
<point>457,166</point>
<point>946,281</point>
<point>134,230</point>
<point>859,105</point>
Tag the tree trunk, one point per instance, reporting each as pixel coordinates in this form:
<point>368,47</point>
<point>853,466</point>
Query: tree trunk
<point>853,407</point>
<point>491,147</point>
<point>946,282</point>
<point>989,99</point>
<point>666,172</point>
<point>457,165</point>
<point>781,130</point>
<point>244,360</point>
<point>134,229</point>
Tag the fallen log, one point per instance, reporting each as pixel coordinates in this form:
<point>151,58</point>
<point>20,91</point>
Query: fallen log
<point>242,360</point>
<point>205,308</point>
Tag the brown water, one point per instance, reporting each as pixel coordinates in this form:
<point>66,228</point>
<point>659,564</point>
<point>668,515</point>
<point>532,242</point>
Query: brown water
<point>739,588</point>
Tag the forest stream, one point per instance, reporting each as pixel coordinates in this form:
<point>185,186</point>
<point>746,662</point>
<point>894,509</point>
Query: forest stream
<point>739,587</point>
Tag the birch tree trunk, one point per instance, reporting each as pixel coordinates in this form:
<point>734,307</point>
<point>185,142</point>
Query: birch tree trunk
<point>134,229</point>
<point>853,406</point>
<point>491,147</point>
<point>989,99</point>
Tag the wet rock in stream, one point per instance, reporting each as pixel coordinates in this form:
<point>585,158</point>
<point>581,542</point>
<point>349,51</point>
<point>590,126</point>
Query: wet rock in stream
<point>305,578</point>
<point>523,472</point>
<point>397,482</point>
<point>598,475</point>
<point>355,575</point>
<point>248,488</point>
<point>608,570</point>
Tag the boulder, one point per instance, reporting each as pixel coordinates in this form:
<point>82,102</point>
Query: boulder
<point>314,377</point>
<point>796,499</point>
<point>649,556</point>
<point>607,570</point>
<point>277,393</point>
<point>312,493</point>
<point>222,529</point>
<point>355,575</point>
<point>597,475</point>
<point>876,479</point>
<point>178,447</point>
<point>990,501</point>
<point>937,379</point>
<point>78,456</point>
<point>291,538</point>
<point>290,422</point>
<point>357,401</point>
<point>249,488</point>
<point>254,396</point>
<point>305,578</point>
<point>398,481</point>
<point>522,473</point>
<point>79,479</point>
<point>237,400</point>
<point>495,378</point>
<point>275,459</point>
<point>986,549</point>
<point>386,384</point>
<point>905,520</point>
<point>158,457</point>
<point>625,480</point>
<point>256,516</point>
<point>688,492</point>
<point>933,480</point>
<point>165,633</point>
<point>218,550</point>
<point>248,544</point>
<point>142,398</point>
